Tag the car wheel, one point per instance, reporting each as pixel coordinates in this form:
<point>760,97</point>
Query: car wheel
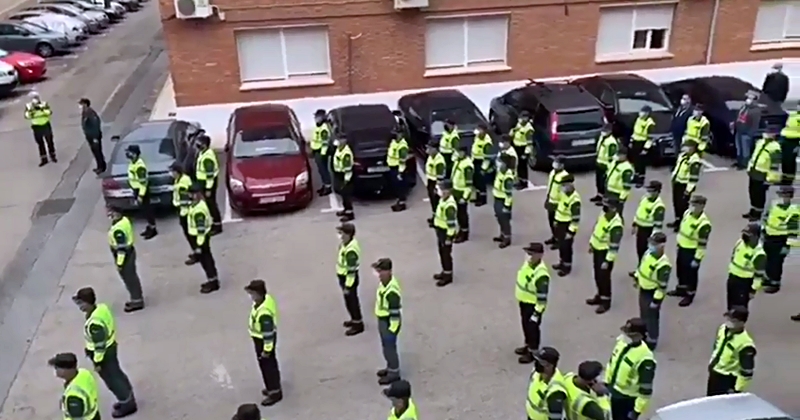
<point>44,50</point>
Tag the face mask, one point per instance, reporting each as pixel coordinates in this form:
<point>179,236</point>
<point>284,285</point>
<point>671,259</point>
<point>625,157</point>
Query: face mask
<point>729,324</point>
<point>448,127</point>
<point>565,190</point>
<point>439,192</point>
<point>318,122</point>
<point>652,249</point>
<point>620,158</point>
<point>376,274</point>
<point>746,237</point>
<point>685,150</point>
<point>624,338</point>
<point>684,102</point>
<point>340,236</point>
<point>556,165</point>
<point>642,114</point>
<point>697,114</point>
<point>748,101</point>
<point>538,366</point>
<point>336,143</point>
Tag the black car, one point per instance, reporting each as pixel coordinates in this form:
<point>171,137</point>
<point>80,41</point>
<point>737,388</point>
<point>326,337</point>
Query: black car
<point>368,129</point>
<point>722,97</point>
<point>622,97</point>
<point>567,119</point>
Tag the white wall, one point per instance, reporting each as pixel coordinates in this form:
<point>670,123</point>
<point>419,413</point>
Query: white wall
<point>214,118</point>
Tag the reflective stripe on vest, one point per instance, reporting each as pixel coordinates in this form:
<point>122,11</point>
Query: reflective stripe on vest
<point>648,270</point>
<point>84,387</point>
<point>682,172</point>
<point>792,128</point>
<point>694,128</point>
<point>125,226</point>
<point>601,236</point>
<point>133,174</point>
<point>646,210</point>
<point>393,155</point>
<point>39,115</point>
<point>381,304</point>
<point>641,128</point>
<point>430,166</point>
<point>480,146</point>
<point>498,188</point>
<point>725,357</point>
<point>742,259</point>
<point>554,185</point>
<point>440,219</point>
<point>527,284</point>
<point>267,307</point>
<point>615,183</point>
<point>777,223</point>
<point>100,316</point>
<point>180,193</point>
<point>602,149</point>
<point>342,268</point>
<point>622,372</point>
<point>459,176</point>
<point>201,173</point>
<point>448,142</point>
<point>409,414</point>
<point>690,226</point>
<point>195,228</point>
<point>338,160</point>
<point>538,393</point>
<point>761,160</point>
<point>317,144</point>
<point>521,134</point>
<point>564,207</point>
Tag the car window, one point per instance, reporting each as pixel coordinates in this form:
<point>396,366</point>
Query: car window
<point>161,150</point>
<point>466,119</point>
<point>607,96</point>
<point>632,101</point>
<point>9,30</point>
<point>580,121</point>
<point>592,86</point>
<point>33,28</point>
<point>275,141</point>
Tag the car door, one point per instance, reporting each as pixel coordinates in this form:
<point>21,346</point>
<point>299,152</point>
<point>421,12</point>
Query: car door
<point>418,127</point>
<point>20,39</point>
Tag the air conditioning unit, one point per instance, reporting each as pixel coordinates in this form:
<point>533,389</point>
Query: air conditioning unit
<point>410,4</point>
<point>193,9</point>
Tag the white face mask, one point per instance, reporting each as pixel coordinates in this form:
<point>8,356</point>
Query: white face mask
<point>684,101</point>
<point>556,165</point>
<point>625,339</point>
<point>340,236</point>
<point>697,114</point>
<point>729,324</point>
<point>439,191</point>
<point>748,101</point>
<point>642,114</point>
<point>685,150</point>
<point>375,273</point>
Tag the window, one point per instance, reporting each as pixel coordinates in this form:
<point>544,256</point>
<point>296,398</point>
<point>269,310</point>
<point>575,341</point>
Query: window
<point>633,31</point>
<point>475,41</point>
<point>283,54</point>
<point>777,21</point>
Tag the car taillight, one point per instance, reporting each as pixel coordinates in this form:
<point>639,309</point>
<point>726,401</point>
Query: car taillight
<point>553,127</point>
<point>111,184</point>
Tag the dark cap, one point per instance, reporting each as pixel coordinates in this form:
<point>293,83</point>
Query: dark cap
<point>347,228</point>
<point>85,295</point>
<point>464,149</point>
<point>524,114</point>
<point>752,227</point>
<point>689,142</point>
<point>483,126</point>
<point>568,178</point>
<point>319,113</point>
<point>635,326</point>
<point>204,139</point>
<point>64,361</point>
<point>247,412</point>
<point>445,184</point>
<point>547,354</point>
<point>786,190</point>
<point>738,313</point>
<point>658,238</point>
<point>398,389</point>
<point>133,148</point>
<point>195,188</point>
<point>590,370</point>
<point>611,201</point>
<point>432,145</point>
<point>654,185</point>
<point>383,264</point>
<point>558,159</point>
<point>534,248</point>
<point>698,199</point>
<point>699,107</point>
<point>177,167</point>
<point>647,108</point>
<point>449,122</point>
<point>256,286</point>
<point>773,130</point>
<point>623,151</point>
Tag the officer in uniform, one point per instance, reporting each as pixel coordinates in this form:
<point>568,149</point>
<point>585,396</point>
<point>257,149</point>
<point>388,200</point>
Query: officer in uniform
<point>504,149</point>
<point>733,359</point>
<point>547,395</point>
<point>652,279</point>
<point>762,170</point>
<point>199,227</point>
<point>435,171</point>
<point>607,149</point>
<point>604,245</point>
<point>463,172</point>
<point>630,372</point>
<point>502,191</point>
<point>181,199</point>
<point>396,160</point>
<point>693,235</point>
<point>619,180</point>
<point>448,144</point>
<point>522,138</point>
<point>247,412</point>
<point>781,222</point>
<point>120,241</point>
<point>482,161</point>
<point>403,407</point>
<point>207,174</point>
<point>649,218</point>
<point>567,219</point>
<point>587,395</point>
<point>554,182</point>
<point>533,285</point>
<point>320,141</point>
<point>343,177</point>
<point>445,224</point>
<point>100,333</point>
<point>698,128</point>
<point>79,400</point>
<point>790,143</point>
<point>263,328</point>
<point>38,113</point>
<point>685,177</point>
<point>348,261</point>
<point>388,311</point>
<point>747,268</point>
<point>138,180</point>
<point>640,144</point>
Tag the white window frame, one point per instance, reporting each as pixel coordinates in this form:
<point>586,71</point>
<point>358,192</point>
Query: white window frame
<point>792,9</point>
<point>641,53</point>
<point>467,63</point>
<point>648,40</point>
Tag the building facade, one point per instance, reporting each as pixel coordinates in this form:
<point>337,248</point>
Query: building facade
<point>258,50</point>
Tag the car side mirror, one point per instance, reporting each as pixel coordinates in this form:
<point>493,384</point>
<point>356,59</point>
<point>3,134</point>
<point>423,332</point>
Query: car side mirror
<point>114,138</point>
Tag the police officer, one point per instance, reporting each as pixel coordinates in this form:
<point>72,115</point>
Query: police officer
<point>746,270</point>
<point>100,332</point>
<point>641,143</point>
<point>685,177</point>
<point>547,395</point>
<point>522,138</point>
<point>532,287</point>
<point>403,407</point>
<point>463,172</point>
<point>630,372</point>
<point>181,199</point>
<point>348,262</point>
<point>199,227</point>
<point>396,160</point>
<point>567,219</point>
<point>762,170</point>
<point>502,191</point>
<point>247,412</point>
<point>781,222</point>
<point>652,279</point>
<point>693,235</point>
<point>38,113</point>
<point>649,218</point>
<point>555,180</point>
<point>120,241</point>
<point>587,395</point>
<point>604,245</point>
<point>139,181</point>
<point>482,161</point>
<point>388,311</point>
<point>445,224</point>
<point>435,171</point>
<point>320,141</point>
<point>607,149</point>
<point>790,136</point>
<point>619,179</point>
<point>504,149</point>
<point>207,174</point>
<point>698,128</point>
<point>79,400</point>
<point>263,328</point>
<point>448,144</point>
<point>733,359</point>
<point>343,177</point>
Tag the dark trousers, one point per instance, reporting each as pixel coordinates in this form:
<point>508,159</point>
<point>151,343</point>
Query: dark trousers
<point>650,316</point>
<point>531,325</point>
<point>113,376</point>
<point>773,247</point>
<point>565,246</point>
<point>638,160</point>
<point>433,198</point>
<point>789,160</point>
<point>43,134</point>
<point>444,245</point>
<point>621,406</point>
<point>398,184</point>
<point>130,277</point>
<point>184,222</point>
<point>462,212</point>
<point>600,179</point>
<point>479,181</point>
<point>719,384</point>
<point>688,276</point>
<point>757,190</point>
<point>211,200</point>
<point>351,301</point>
<point>448,162</point>
<point>522,164</point>
<point>96,147</point>
<point>321,161</point>
<point>551,218</point>
<point>738,291</point>
<point>680,200</point>
<point>389,346</point>
<point>642,240</point>
<point>206,258</point>
<point>503,218</point>
<point>345,190</point>
<point>268,365</point>
<point>147,210</point>
<point>602,277</point>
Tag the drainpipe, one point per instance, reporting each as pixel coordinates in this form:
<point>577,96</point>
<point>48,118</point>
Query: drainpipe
<point>350,39</point>
<point>712,32</point>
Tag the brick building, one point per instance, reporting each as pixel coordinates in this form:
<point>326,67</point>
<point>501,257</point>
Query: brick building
<point>255,50</point>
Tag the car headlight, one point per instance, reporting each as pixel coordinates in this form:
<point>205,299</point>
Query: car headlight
<point>301,180</point>
<point>236,185</point>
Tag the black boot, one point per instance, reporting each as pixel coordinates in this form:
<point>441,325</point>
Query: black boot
<point>673,224</point>
<point>53,158</point>
<point>209,287</point>
<point>603,307</point>
<point>686,301</point>
<point>355,329</point>
<point>564,271</point>
<point>216,229</point>
<point>504,243</point>
<point>389,378</point>
<point>134,305</point>
<point>677,292</point>
<point>748,215</point>
<point>340,213</point>
<point>594,300</point>
<point>124,410</point>
<point>398,206</point>
<point>348,216</point>
<point>550,241</point>
<point>430,222</point>
<point>460,237</point>
<point>498,238</point>
<point>526,358</point>
<point>192,260</point>
<point>382,372</point>
<point>596,199</point>
<point>795,318</point>
<point>273,397</point>
<point>43,162</point>
<point>632,274</point>
<point>446,279</point>
<point>772,289</point>
<point>150,232</point>
<point>519,351</point>
<point>438,276</point>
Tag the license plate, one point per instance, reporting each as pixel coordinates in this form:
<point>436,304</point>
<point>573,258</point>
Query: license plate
<point>584,142</point>
<point>378,169</point>
<point>267,200</point>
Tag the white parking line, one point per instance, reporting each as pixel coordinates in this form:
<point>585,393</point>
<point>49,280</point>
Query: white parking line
<point>712,168</point>
<point>422,177</point>
<point>229,216</point>
<point>334,204</point>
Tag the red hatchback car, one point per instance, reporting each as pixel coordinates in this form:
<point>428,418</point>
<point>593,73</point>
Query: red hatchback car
<point>30,68</point>
<point>267,163</point>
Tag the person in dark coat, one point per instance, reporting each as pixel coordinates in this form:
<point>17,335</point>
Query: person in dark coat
<point>776,84</point>
<point>680,119</point>
<point>93,131</point>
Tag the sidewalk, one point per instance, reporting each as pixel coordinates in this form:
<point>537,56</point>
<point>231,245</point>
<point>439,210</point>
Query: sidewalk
<point>165,107</point>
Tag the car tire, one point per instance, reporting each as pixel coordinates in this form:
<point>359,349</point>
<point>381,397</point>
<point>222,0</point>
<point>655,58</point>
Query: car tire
<point>44,50</point>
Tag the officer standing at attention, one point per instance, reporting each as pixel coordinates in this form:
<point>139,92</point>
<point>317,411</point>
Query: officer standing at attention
<point>640,144</point>
<point>396,160</point>
<point>547,395</point>
<point>790,141</point>
<point>619,180</point>
<point>762,170</point>
<point>263,328</point>
<point>482,161</point>
<point>607,149</point>
<point>733,360</point>
<point>746,270</point>
<point>652,280</point>
<point>533,285</point>
<point>38,112</point>
<point>199,227</point>
<point>554,182</point>
<point>403,407</point>
<point>630,372</point>
<point>348,262</point>
<point>504,148</point>
<point>604,245</point>
<point>320,141</point>
<point>448,144</point>
<point>435,171</point>
<point>567,220</point>
<point>388,311</point>
<point>522,137</point>
<point>698,128</point>
<point>343,177</point>
<point>207,174</point>
<point>100,333</point>
<point>445,224</point>
<point>649,219</point>
<point>693,235</point>
<point>139,181</point>
<point>120,241</point>
<point>181,200</point>
<point>781,222</point>
<point>587,396</point>
<point>685,177</point>
<point>463,173</point>
<point>79,401</point>
<point>502,191</point>
<point>247,412</point>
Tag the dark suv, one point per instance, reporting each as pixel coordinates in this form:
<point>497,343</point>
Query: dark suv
<point>567,119</point>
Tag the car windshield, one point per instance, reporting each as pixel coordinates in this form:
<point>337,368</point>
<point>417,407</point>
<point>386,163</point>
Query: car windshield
<point>153,151</point>
<point>466,119</point>
<point>580,121</point>
<point>632,101</point>
<point>275,141</point>
<point>37,29</point>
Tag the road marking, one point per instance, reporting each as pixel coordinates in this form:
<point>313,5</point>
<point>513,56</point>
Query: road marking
<point>712,168</point>
<point>220,374</point>
<point>334,204</point>
<point>423,178</point>
<point>230,216</point>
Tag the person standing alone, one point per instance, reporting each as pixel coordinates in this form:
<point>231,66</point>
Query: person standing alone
<point>207,174</point>
<point>38,113</point>
<point>744,129</point>
<point>263,329</point>
<point>93,131</point>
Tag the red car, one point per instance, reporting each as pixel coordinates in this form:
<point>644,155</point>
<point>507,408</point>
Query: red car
<point>31,68</point>
<point>267,163</point>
